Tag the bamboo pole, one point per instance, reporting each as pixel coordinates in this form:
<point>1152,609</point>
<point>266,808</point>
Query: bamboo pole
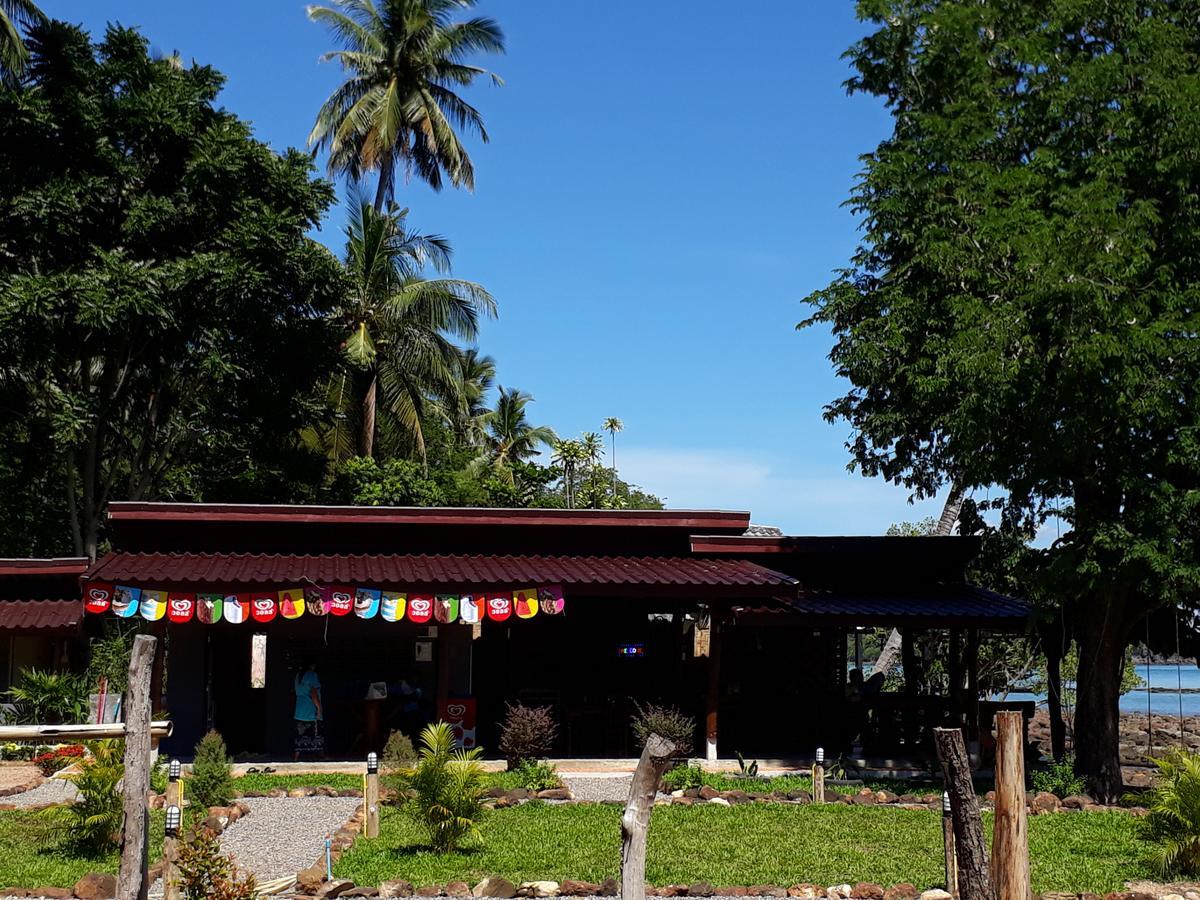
<point>1010,835</point>
<point>157,731</point>
<point>635,821</point>
<point>133,880</point>
<point>970,851</point>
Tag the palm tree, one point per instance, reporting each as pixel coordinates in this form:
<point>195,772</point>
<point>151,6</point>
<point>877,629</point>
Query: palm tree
<point>613,425</point>
<point>398,108</point>
<point>14,57</point>
<point>399,324</point>
<point>476,377</point>
<point>510,436</point>
<point>593,449</point>
<point>569,454</point>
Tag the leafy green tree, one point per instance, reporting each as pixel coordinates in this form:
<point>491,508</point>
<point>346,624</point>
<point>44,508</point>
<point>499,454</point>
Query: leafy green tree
<point>1021,312</point>
<point>161,305</point>
<point>14,57</point>
<point>399,327</point>
<point>397,108</point>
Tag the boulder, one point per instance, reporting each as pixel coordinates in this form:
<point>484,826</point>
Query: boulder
<point>96,886</point>
<point>297,793</point>
<point>458,889</point>
<point>1044,801</point>
<point>682,801</point>
<point>838,891</point>
<point>865,890</point>
<point>902,891</point>
<point>495,886</point>
<point>242,807</point>
<point>708,793</point>
<point>865,799</point>
<point>572,888</point>
<point>736,797</point>
<point>309,881</point>
<point>555,794</point>
<point>519,794</point>
<point>334,888</point>
<point>701,889</point>
<point>1076,801</point>
<point>799,796</point>
<point>737,890</point>
<point>397,888</point>
<point>362,892</point>
<point>767,890</point>
<point>215,824</point>
<point>495,792</point>
<point>886,797</point>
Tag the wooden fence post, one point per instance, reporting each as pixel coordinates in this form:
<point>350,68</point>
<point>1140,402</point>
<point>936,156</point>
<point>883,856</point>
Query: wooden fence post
<point>818,777</point>
<point>970,849</point>
<point>371,797</point>
<point>132,881</point>
<point>1010,835</point>
<point>635,821</point>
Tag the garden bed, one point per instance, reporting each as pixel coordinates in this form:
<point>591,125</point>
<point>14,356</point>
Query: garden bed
<point>753,844</point>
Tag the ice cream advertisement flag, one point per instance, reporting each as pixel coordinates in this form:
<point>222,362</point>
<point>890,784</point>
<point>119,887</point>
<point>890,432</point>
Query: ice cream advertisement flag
<point>235,608</point>
<point>391,605</point>
<point>180,607</point>
<point>291,603</point>
<point>98,598</point>
<point>126,600</point>
<point>209,608</point>
<point>366,602</point>
<point>154,605</point>
<point>525,603</point>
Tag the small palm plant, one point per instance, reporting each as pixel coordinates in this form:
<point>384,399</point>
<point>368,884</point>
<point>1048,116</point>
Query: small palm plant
<point>1174,819</point>
<point>447,787</point>
<point>94,820</point>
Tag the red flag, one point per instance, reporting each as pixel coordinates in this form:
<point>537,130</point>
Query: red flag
<point>341,600</point>
<point>420,608</point>
<point>262,607</point>
<point>499,606</point>
<point>97,597</point>
<point>181,607</point>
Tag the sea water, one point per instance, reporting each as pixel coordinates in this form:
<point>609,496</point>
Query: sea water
<point>1164,698</point>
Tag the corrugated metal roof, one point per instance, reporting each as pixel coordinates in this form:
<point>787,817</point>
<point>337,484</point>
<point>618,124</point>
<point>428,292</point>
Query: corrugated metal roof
<point>421,570</point>
<point>40,615</point>
<point>940,602</point>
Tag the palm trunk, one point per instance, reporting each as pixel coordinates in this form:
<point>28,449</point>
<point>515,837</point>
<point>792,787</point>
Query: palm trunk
<point>385,180</point>
<point>950,511</point>
<point>614,462</point>
<point>366,443</point>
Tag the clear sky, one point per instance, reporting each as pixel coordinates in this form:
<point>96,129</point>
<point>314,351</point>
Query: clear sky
<point>663,186</point>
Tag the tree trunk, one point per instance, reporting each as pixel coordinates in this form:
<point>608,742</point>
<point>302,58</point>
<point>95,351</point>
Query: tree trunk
<point>889,654</point>
<point>974,882</point>
<point>366,443</point>
<point>635,821</point>
<point>950,511</point>
<point>133,883</point>
<point>1102,638</point>
<point>1052,647</point>
<point>385,181</point>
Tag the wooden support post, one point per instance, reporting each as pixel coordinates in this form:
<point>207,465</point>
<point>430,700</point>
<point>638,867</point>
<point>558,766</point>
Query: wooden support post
<point>969,848</point>
<point>170,855</point>
<point>1010,835</point>
<point>174,794</point>
<point>635,821</point>
<point>948,847</point>
<point>818,777</point>
<point>132,881</point>
<point>713,699</point>
<point>371,797</point>
<point>957,688</point>
<point>442,649</point>
<point>972,665</point>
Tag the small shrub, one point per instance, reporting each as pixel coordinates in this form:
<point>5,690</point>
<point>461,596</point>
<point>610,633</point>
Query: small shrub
<point>528,733</point>
<point>211,783</point>
<point>1058,778</point>
<point>204,872</point>
<point>537,776</point>
<point>58,758</point>
<point>158,775</point>
<point>397,758</point>
<point>447,787</point>
<point>1174,819</point>
<point>94,820</point>
<point>667,722</point>
<point>684,778</point>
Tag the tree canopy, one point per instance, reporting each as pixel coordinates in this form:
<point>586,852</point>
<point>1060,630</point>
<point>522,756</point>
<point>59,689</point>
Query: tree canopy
<point>1022,309</point>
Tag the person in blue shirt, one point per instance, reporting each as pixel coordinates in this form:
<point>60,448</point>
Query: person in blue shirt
<point>309,712</point>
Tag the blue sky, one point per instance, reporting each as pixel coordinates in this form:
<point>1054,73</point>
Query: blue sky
<point>662,188</point>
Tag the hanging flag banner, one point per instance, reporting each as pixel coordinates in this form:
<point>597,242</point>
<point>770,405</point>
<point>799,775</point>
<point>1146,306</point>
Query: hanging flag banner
<point>550,599</point>
<point>420,608</point>
<point>208,608</point>
<point>263,607</point>
<point>125,601</point>
<point>154,605</point>
<point>366,602</point>
<point>180,607</point>
<point>391,605</point>
<point>317,600</point>
<point>291,603</point>
<point>445,608</point>
<point>341,601</point>
<point>499,606</point>
<point>470,609</point>
<point>525,603</point>
<point>235,608</point>
<point>98,598</point>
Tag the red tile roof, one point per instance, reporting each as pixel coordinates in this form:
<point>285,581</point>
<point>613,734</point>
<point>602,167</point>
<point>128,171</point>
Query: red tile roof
<point>596,575</point>
<point>40,615</point>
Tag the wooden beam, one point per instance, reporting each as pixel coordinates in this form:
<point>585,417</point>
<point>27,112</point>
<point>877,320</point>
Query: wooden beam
<point>133,882</point>
<point>635,821</point>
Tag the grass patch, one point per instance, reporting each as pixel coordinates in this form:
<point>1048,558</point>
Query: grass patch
<point>338,781</point>
<point>743,845</point>
<point>32,855</point>
<point>730,781</point>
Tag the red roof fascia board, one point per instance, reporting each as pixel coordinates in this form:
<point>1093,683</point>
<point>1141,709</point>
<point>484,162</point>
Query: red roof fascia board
<point>249,513</point>
<point>659,575</point>
<point>26,567</point>
<point>40,615</point>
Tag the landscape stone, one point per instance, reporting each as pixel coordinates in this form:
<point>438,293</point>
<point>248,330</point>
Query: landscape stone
<point>936,894</point>
<point>362,892</point>
<point>676,890</point>
<point>96,886</point>
<point>738,890</point>
<point>902,891</point>
<point>708,793</point>
<point>701,889</point>
<point>458,889</point>
<point>866,890</point>
<point>1075,801</point>
<point>397,888</point>
<point>568,888</point>
<point>736,796</point>
<point>767,890</point>
<point>334,888</point>
<point>428,890</point>
<point>1044,801</point>
<point>555,794</point>
<point>538,889</point>
<point>51,893</point>
<point>309,881</point>
<point>838,891</point>
<point>608,888</point>
<point>720,801</point>
<point>495,886</point>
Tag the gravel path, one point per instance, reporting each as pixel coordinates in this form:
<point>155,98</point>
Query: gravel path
<point>54,790</point>
<point>604,787</point>
<point>281,835</point>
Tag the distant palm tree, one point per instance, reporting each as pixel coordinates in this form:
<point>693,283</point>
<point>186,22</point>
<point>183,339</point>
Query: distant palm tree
<point>14,57</point>
<point>593,448</point>
<point>398,108</point>
<point>476,376</point>
<point>510,436</point>
<point>400,324</point>
<point>569,454</point>
<point>613,425</point>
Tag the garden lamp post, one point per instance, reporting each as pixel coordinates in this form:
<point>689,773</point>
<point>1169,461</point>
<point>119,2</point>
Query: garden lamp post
<point>818,777</point>
<point>948,845</point>
<point>371,796</point>
<point>171,849</point>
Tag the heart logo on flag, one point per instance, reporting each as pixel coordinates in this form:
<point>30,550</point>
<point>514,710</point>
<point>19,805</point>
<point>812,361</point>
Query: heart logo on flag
<point>455,710</point>
<point>499,607</point>
<point>341,601</point>
<point>263,607</point>
<point>98,598</point>
<point>181,607</point>
<point>420,608</point>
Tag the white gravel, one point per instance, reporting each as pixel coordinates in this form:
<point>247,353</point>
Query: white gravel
<point>283,835</point>
<point>604,787</point>
<point>53,790</point>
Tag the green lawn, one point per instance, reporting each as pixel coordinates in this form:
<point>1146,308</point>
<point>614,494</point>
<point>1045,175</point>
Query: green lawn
<point>32,856</point>
<point>260,782</point>
<point>750,844</point>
